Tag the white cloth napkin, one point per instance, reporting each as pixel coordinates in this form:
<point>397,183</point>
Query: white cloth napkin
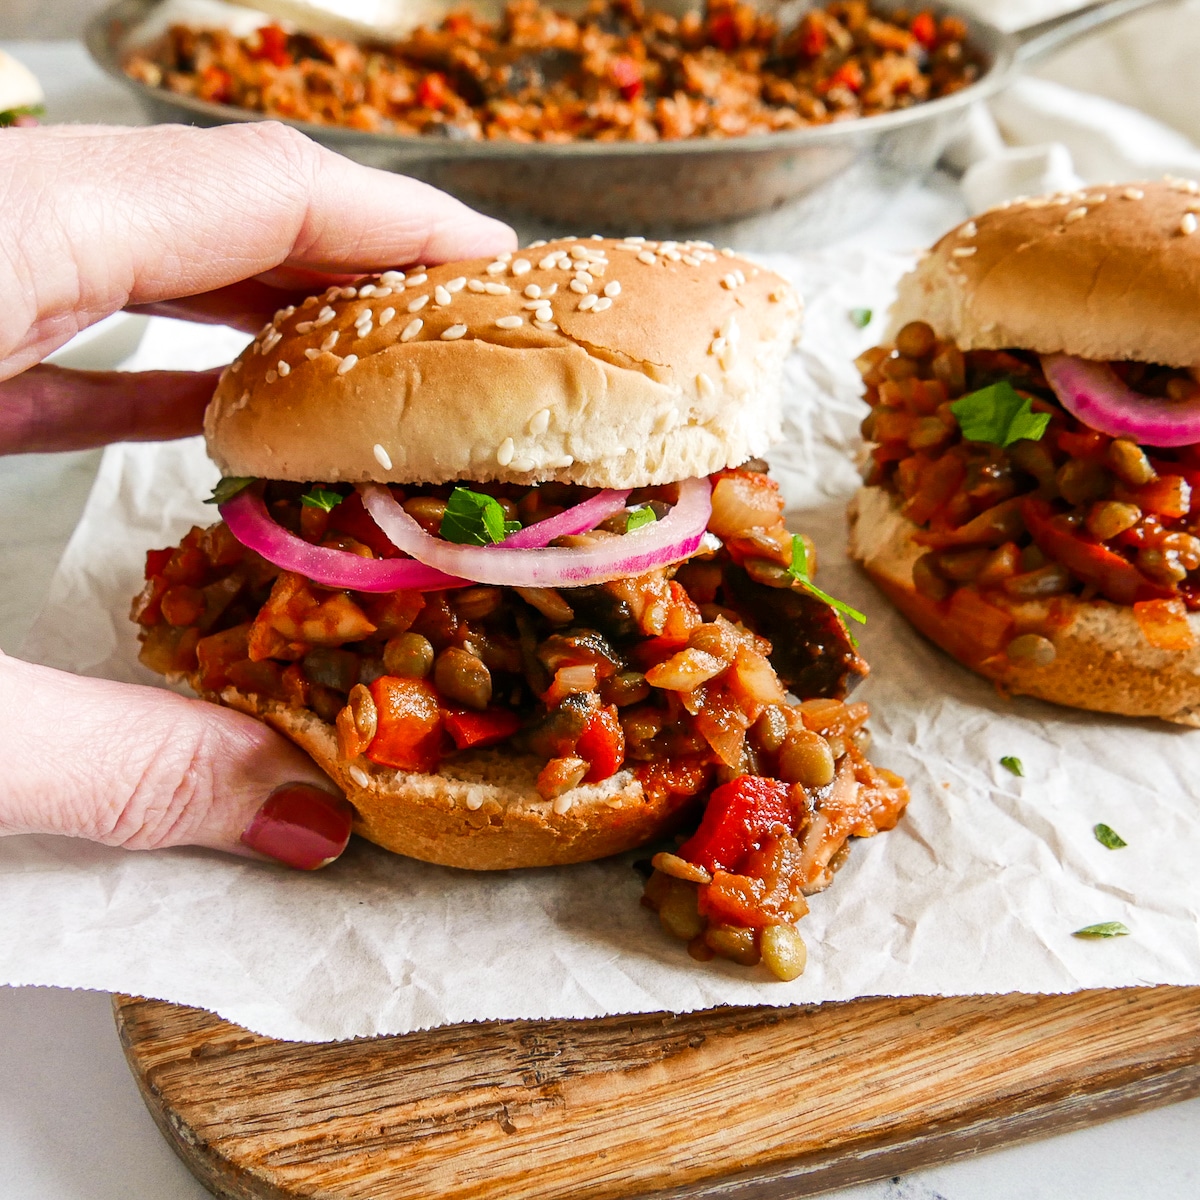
<point>1075,121</point>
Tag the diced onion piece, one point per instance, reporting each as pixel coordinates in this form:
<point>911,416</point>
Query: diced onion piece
<point>669,540</point>
<point>1092,392</point>
<point>249,521</point>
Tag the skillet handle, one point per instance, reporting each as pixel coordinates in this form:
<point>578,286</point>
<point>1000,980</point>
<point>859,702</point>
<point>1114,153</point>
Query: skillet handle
<point>1034,42</point>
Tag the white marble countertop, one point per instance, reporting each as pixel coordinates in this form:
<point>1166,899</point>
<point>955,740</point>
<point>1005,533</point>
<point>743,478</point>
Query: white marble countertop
<point>72,1126</point>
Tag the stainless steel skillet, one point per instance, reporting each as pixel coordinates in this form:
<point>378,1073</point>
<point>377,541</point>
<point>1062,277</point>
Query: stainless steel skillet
<point>832,177</point>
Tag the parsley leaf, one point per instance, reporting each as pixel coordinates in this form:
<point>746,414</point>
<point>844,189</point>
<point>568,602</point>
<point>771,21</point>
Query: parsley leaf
<point>643,515</point>
<point>473,519</point>
<point>10,116</point>
<point>1105,929</point>
<point>998,414</point>
<point>322,498</point>
<point>860,318</point>
<point>228,487</point>
<point>1107,836</point>
<point>1012,763</point>
<point>799,571</point>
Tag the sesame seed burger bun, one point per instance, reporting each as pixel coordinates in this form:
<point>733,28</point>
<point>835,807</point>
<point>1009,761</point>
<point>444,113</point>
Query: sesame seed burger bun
<point>19,87</point>
<point>1110,273</point>
<point>674,371</point>
<point>1103,661</point>
<point>482,810</point>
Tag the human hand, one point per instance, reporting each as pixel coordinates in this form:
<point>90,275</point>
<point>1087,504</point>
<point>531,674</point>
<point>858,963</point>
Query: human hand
<point>223,225</point>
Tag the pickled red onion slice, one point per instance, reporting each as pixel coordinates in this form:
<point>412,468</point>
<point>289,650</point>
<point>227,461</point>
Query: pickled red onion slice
<point>672,539</point>
<point>249,521</point>
<point>578,519</point>
<point>1092,392</point>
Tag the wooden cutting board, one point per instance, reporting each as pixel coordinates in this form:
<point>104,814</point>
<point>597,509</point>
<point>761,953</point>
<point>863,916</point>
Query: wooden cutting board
<point>746,1103</point>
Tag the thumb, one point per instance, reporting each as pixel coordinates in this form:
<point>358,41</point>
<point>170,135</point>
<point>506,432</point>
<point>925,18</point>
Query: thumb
<point>145,769</point>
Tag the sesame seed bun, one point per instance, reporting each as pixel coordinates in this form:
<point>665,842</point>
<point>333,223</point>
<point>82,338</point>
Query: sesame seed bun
<point>663,362</point>
<point>1103,661</point>
<point>19,87</point>
<point>1110,273</point>
<point>482,810</point>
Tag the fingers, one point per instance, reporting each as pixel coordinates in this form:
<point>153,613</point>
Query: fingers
<point>51,408</point>
<point>94,220</point>
<point>146,769</point>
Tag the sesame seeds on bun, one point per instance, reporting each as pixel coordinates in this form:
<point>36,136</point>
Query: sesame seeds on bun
<point>599,362</point>
<point>1108,273</point>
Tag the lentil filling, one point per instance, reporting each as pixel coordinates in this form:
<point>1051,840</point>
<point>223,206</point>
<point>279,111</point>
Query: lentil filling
<point>680,675</point>
<point>614,73</point>
<point>1072,512</point>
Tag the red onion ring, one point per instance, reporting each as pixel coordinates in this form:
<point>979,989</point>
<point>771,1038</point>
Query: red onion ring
<point>670,540</point>
<point>578,519</point>
<point>1093,393</point>
<point>249,521</point>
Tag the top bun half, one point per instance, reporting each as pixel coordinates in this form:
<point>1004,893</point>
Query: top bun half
<point>19,87</point>
<point>660,361</point>
<point>1109,273</point>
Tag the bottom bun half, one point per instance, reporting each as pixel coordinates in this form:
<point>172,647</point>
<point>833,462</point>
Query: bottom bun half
<point>482,811</point>
<point>1103,661</point>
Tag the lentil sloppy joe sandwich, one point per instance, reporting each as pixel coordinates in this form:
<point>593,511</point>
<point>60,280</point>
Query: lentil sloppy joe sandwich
<point>497,551</point>
<point>1033,494</point>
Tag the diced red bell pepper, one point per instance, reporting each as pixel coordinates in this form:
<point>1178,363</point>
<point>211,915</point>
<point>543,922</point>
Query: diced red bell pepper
<point>723,31</point>
<point>156,561</point>
<point>1086,443</point>
<point>481,728</point>
<point>272,46</point>
<point>186,565</point>
<point>432,91</point>
<point>409,729</point>
<point>924,29</point>
<point>849,75</point>
<point>1115,577</point>
<point>1166,496</point>
<point>814,37</point>
<point>602,743</point>
<point>739,815</point>
<point>626,76</point>
<point>216,85</point>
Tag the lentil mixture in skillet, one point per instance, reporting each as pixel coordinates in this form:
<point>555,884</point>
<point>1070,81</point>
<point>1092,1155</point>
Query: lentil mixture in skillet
<point>616,72</point>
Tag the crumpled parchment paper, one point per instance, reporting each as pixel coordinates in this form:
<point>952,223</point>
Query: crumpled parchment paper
<point>977,890</point>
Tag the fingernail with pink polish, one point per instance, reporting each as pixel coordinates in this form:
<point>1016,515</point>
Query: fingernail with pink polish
<point>300,825</point>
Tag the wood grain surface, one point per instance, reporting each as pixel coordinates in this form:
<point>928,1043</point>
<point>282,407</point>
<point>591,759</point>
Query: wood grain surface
<point>745,1103</point>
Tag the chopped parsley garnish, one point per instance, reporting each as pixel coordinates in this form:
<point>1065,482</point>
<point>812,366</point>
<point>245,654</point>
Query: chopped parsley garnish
<point>1105,929</point>
<point>1011,763</point>
<point>10,116</point>
<point>322,498</point>
<point>473,519</point>
<point>1107,836</point>
<point>861,317</point>
<point>998,414</point>
<point>229,487</point>
<point>799,572</point>
<point>643,515</point>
